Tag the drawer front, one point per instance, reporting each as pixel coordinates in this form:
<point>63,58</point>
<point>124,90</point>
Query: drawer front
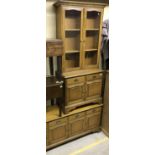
<point>93,111</point>
<point>94,76</point>
<point>54,51</point>
<point>51,45</point>
<point>75,80</point>
<point>76,116</point>
<point>58,122</point>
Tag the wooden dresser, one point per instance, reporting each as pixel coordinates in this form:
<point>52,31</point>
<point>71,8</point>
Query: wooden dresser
<point>79,26</point>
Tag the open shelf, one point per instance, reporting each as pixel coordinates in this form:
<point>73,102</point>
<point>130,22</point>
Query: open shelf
<point>92,29</point>
<point>93,49</point>
<point>91,40</point>
<point>72,29</point>
<point>72,19</point>
<point>93,19</point>
<point>90,58</point>
<point>73,51</point>
<point>72,40</point>
<point>72,60</point>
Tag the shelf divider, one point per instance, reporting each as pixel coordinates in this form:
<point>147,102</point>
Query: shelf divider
<point>72,29</point>
<point>93,49</point>
<point>72,51</point>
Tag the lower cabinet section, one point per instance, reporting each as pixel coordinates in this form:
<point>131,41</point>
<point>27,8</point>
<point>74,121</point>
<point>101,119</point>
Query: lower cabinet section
<point>62,129</point>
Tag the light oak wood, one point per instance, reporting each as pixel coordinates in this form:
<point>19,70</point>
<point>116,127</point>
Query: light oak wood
<point>54,47</point>
<point>79,26</point>
<point>81,72</point>
<point>57,132</point>
<point>75,80</point>
<point>80,31</point>
<point>76,124</point>
<point>52,113</point>
<point>78,3</point>
<point>79,91</point>
<point>50,146</point>
<point>94,89</point>
<point>74,94</point>
<point>93,121</point>
<point>73,125</point>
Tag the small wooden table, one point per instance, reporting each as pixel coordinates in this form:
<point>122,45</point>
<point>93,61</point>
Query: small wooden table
<point>54,89</point>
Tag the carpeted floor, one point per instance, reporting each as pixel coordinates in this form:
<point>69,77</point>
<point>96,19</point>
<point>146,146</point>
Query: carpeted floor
<point>93,144</point>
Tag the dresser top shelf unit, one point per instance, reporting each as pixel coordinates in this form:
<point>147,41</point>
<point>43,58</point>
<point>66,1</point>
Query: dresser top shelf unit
<point>79,25</point>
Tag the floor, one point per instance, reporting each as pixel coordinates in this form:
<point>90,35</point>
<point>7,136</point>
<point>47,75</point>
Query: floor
<point>93,144</point>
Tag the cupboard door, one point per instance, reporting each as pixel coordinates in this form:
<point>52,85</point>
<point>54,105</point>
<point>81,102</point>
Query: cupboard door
<point>57,133</point>
<point>77,125</point>
<point>94,89</point>
<point>93,121</point>
<point>74,93</point>
<point>92,30</point>
<point>72,27</point>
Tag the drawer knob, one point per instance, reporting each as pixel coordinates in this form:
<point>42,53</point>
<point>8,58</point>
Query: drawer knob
<point>76,80</point>
<point>59,82</point>
<point>94,76</point>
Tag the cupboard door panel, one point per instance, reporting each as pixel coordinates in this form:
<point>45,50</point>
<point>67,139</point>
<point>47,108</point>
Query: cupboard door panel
<point>74,93</point>
<point>57,133</point>
<point>94,89</point>
<point>72,17</point>
<point>77,127</point>
<point>93,18</point>
<point>72,34</point>
<point>91,37</point>
<point>93,121</point>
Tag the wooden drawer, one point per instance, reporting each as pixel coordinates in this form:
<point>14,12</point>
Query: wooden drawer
<point>94,76</point>
<point>54,47</point>
<point>76,80</point>
<point>54,52</point>
<point>93,111</point>
<point>77,116</point>
<point>58,122</point>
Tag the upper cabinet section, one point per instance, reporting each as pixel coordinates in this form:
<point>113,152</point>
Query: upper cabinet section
<point>79,26</point>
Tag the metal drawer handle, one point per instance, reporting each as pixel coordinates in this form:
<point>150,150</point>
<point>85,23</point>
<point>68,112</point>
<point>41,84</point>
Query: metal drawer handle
<point>94,76</point>
<point>59,82</point>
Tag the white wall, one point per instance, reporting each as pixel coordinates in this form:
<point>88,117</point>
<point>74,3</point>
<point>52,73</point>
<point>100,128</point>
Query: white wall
<point>50,27</point>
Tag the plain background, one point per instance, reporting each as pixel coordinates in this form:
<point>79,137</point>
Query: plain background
<point>23,72</point>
